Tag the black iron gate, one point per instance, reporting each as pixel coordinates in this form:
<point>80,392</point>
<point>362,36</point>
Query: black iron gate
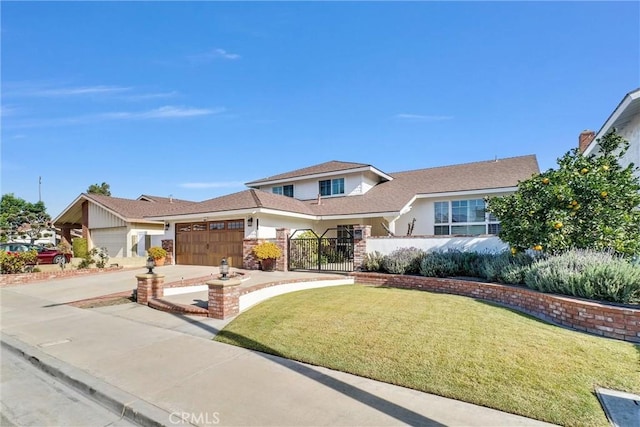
<point>308,251</point>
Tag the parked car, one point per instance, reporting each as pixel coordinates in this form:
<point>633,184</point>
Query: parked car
<point>45,255</point>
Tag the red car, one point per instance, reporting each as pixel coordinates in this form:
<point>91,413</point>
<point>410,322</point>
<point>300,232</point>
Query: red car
<point>45,255</point>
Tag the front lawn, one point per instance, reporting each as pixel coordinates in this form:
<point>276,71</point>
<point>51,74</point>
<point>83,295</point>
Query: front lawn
<point>449,345</point>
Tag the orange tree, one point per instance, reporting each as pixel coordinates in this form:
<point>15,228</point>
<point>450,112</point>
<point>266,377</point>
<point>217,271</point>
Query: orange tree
<point>588,202</point>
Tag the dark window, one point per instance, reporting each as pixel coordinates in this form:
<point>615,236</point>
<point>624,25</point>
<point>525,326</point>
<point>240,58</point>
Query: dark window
<point>325,187</point>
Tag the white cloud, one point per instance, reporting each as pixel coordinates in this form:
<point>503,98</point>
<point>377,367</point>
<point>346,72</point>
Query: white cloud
<point>78,91</point>
<point>219,184</point>
<point>213,55</point>
<point>421,117</point>
<point>168,111</point>
<point>145,96</point>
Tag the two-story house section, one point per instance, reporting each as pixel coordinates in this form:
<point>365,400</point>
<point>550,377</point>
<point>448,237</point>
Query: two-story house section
<point>337,195</point>
<point>625,119</point>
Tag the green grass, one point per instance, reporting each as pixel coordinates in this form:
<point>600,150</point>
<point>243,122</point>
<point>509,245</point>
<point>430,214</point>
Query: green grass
<point>444,344</point>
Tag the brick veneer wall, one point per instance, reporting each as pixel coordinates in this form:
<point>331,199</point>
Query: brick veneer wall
<point>167,245</point>
<point>250,262</point>
<point>619,322</point>
<point>360,245</point>
<point>22,278</point>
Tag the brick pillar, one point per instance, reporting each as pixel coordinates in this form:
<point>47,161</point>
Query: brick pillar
<point>360,235</point>
<point>282,240</point>
<point>150,286</point>
<point>224,298</point>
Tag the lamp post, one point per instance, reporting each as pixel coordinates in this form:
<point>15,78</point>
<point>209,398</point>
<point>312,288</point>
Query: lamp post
<point>150,264</point>
<point>224,269</point>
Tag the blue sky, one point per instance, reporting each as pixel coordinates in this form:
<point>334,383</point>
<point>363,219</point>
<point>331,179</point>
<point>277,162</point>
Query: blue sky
<point>192,99</point>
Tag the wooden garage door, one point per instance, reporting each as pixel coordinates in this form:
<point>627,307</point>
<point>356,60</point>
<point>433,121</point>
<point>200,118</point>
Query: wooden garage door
<point>206,243</point>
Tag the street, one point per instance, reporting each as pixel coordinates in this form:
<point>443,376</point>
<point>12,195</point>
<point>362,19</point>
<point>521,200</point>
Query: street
<point>31,397</point>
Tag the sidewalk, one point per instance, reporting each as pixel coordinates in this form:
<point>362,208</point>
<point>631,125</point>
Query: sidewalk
<point>164,367</point>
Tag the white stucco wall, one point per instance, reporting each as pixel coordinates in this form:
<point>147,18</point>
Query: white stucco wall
<point>423,211</point>
<point>631,132</point>
<point>269,223</point>
<point>386,245</point>
<point>354,184</point>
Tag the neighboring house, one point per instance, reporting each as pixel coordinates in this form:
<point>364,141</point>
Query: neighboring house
<point>625,119</point>
<point>334,196</point>
<point>119,225</point>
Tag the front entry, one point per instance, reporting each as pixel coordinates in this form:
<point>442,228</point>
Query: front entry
<point>308,251</point>
<point>206,243</point>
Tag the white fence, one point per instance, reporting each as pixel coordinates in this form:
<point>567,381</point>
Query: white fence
<point>386,245</point>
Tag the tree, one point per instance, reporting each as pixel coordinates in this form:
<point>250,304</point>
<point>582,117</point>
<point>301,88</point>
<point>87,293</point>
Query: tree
<point>103,188</point>
<point>21,219</point>
<point>589,202</point>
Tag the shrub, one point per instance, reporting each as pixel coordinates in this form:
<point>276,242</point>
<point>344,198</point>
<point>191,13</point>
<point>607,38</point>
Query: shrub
<point>96,256</point>
<point>266,250</point>
<point>15,262</point>
<point>587,274</point>
<point>438,264</point>
<point>80,247</point>
<point>156,252</point>
<point>403,261</point>
<point>373,261</point>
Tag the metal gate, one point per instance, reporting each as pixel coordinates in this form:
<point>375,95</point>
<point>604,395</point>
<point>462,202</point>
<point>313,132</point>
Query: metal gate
<point>308,251</point>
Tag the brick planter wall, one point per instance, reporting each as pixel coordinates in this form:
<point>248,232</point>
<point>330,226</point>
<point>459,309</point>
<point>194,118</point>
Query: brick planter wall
<point>22,278</point>
<point>618,322</point>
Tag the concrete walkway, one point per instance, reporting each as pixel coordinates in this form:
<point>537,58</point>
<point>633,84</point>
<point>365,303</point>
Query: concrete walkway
<point>163,367</point>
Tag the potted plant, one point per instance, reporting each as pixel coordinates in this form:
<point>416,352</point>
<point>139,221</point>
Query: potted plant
<point>267,253</point>
<point>158,254</point>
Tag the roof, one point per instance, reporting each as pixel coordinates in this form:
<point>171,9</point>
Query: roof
<point>322,168</point>
<point>247,199</point>
<point>393,196</point>
<point>385,198</point>
<point>128,209</point>
<point>626,110</point>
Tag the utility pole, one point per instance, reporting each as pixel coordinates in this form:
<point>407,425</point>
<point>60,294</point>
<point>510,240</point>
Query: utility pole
<point>39,189</point>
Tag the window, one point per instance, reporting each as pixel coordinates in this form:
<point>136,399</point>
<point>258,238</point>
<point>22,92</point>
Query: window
<point>199,227</point>
<point>463,217</point>
<point>216,226</point>
<point>285,190</point>
<point>330,187</point>
<point>442,212</point>
<point>235,225</point>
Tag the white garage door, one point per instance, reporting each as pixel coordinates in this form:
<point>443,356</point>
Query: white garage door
<point>113,239</point>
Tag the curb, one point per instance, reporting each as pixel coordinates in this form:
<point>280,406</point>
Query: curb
<point>119,401</point>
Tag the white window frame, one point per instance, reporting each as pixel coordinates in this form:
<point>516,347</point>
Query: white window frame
<point>439,227</point>
<point>332,185</point>
<point>280,189</point>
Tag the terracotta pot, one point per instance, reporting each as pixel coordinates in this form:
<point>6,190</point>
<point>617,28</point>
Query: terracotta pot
<point>159,261</point>
<point>268,264</point>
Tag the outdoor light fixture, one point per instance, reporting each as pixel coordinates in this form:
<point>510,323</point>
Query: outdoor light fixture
<point>150,264</point>
<point>224,269</point>
<point>250,221</point>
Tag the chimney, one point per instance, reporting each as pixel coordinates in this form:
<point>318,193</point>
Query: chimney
<point>585,138</point>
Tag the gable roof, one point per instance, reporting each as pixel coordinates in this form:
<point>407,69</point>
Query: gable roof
<point>127,209</point>
<point>626,110</point>
<point>393,196</point>
<point>386,198</point>
<point>322,168</point>
<point>244,200</point>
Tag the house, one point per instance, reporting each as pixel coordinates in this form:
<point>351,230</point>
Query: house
<point>330,198</point>
<point>119,225</point>
<point>626,120</point>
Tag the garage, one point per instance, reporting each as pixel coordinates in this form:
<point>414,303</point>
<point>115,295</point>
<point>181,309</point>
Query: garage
<point>206,243</point>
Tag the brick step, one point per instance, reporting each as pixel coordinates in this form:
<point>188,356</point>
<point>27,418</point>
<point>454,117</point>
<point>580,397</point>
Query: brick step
<point>172,307</point>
